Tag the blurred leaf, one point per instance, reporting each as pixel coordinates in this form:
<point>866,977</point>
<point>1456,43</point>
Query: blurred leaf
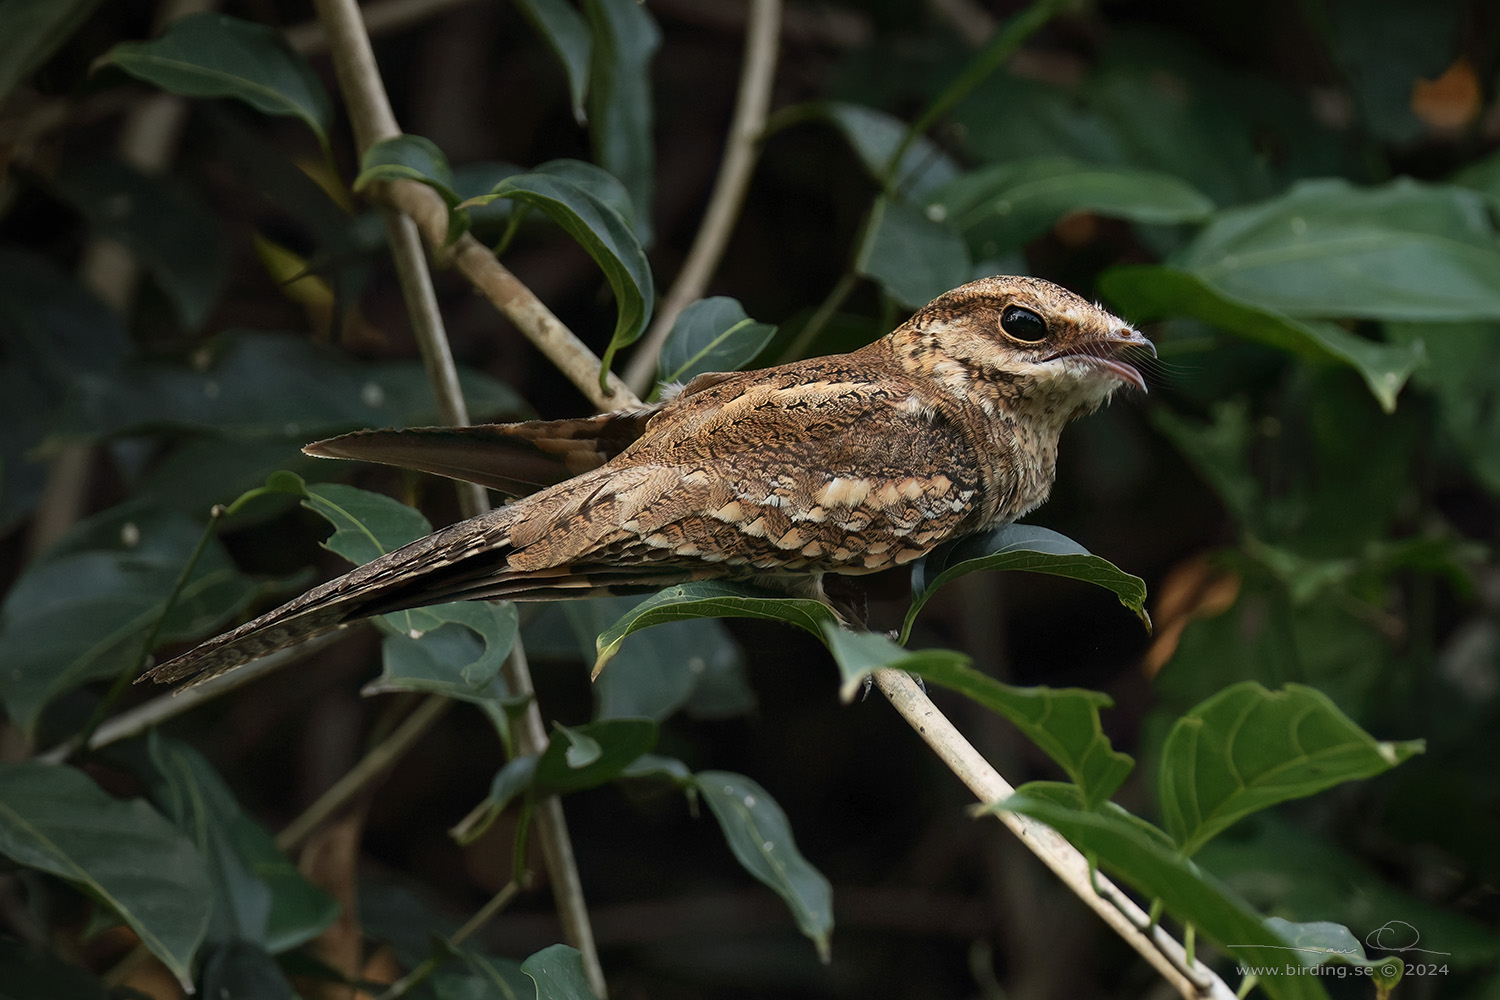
<point>36,974</point>
<point>558,974</point>
<point>761,839</point>
<point>1188,893</point>
<point>1322,942</point>
<point>31,31</point>
<point>585,216</point>
<point>875,137</point>
<point>592,754</point>
<point>1386,46</point>
<point>236,969</point>
<point>501,978</point>
<point>264,385</point>
<point>259,897</point>
<point>649,765</point>
<point>179,242</point>
<point>1146,293</point>
<point>1004,206</point>
<point>85,609</point>
<point>712,600</point>
<point>620,104</point>
<point>1063,722</point>
<point>211,55</point>
<point>565,30</point>
<point>1248,748</point>
<point>911,254</point>
<point>711,335</point>
<point>1403,251</point>
<point>1463,373</point>
<point>1020,547</point>
<point>514,779</point>
<point>414,158</point>
<point>121,853</point>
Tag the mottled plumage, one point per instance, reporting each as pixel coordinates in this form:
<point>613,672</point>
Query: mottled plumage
<point>847,464</point>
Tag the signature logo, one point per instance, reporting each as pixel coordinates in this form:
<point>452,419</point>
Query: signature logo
<point>1398,935</point>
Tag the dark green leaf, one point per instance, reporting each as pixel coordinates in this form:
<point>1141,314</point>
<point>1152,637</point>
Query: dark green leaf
<point>914,256</point>
<point>211,55</point>
<point>1383,48</point>
<point>875,137</point>
<point>31,31</point>
<point>455,650</point>
<point>1021,547</point>
<point>365,525</point>
<point>1064,722</point>
<point>495,978</point>
<point>565,30</point>
<point>1322,942</point>
<point>711,600</point>
<point>761,839</point>
<point>1463,373</point>
<point>413,158</point>
<point>1248,748</point>
<point>180,243</point>
<point>558,974</point>
<point>1148,292</point>
<point>235,969</point>
<point>650,765</point>
<point>593,754</point>
<point>85,610</point>
<point>597,181</point>
<point>1002,207</point>
<point>711,335</point>
<point>621,110</point>
<point>510,782</point>
<point>1188,893</point>
<point>33,974</point>
<point>122,853</point>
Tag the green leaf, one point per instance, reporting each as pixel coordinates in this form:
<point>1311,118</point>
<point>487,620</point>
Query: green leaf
<point>591,755</point>
<point>600,230</point>
<point>621,110</point>
<point>1004,206</point>
<point>1188,893</point>
<point>241,969</point>
<point>84,611</point>
<point>1063,722</point>
<point>712,600</point>
<point>875,137</point>
<point>761,839</point>
<point>179,242</point>
<point>258,896</point>
<point>558,974</point>
<point>211,55</point>
<point>455,650</point>
<point>711,335</point>
<point>565,30</point>
<point>31,31</point>
<point>1322,942</point>
<point>414,158</point>
<point>1248,748</point>
<point>1020,547</point>
<point>122,853</point>
<point>1463,374</point>
<point>1147,292</point>
<point>912,255</point>
<point>1403,251</point>
<point>365,525</point>
<point>31,973</point>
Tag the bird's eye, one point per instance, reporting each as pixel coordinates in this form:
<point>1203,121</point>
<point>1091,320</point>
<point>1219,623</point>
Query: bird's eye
<point>1020,323</point>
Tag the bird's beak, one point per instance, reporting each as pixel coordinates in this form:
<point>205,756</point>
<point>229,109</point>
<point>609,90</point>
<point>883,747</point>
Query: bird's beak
<point>1106,351</point>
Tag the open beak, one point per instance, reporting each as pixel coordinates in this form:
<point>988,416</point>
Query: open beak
<point>1105,352</point>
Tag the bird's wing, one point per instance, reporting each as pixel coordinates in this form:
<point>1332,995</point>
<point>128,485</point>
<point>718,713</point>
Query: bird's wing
<point>515,459</point>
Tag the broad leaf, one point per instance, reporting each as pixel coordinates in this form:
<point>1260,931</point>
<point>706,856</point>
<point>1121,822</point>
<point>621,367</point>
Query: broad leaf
<point>1148,293</point>
<point>237,968</point>
<point>414,158</point>
<point>761,839</point>
<point>1020,547</point>
<point>593,754</point>
<point>565,30</point>
<point>711,335</point>
<point>913,255</point>
<point>620,101</point>
<point>124,854</point>
<point>1322,942</point>
<point>712,600</point>
<point>31,31</point>
<point>875,136</point>
<point>1248,748</point>
<point>558,974</point>
<point>211,55</point>
<point>1188,893</point>
<point>454,649</point>
<point>1003,206</point>
<point>365,525</point>
<point>1063,722</point>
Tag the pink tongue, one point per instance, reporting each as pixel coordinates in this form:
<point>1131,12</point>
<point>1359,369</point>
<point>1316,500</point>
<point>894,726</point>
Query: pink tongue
<point>1124,372</point>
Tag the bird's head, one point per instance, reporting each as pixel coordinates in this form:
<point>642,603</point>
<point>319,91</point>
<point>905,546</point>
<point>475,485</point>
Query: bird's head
<point>1024,345</point>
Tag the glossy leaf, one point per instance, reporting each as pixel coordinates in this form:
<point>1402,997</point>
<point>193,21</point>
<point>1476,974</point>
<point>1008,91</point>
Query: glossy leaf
<point>1248,748</point>
<point>85,610</point>
<point>1149,292</point>
<point>620,100</point>
<point>911,254</point>
<point>1063,722</point>
<point>761,839</point>
<point>1021,547</point>
<point>123,854</point>
<point>712,600</point>
<point>1003,206</point>
<point>414,158</point>
<point>568,34</point>
<point>31,31</point>
<point>711,335</point>
<point>558,974</point>
<point>1188,893</point>
<point>211,55</point>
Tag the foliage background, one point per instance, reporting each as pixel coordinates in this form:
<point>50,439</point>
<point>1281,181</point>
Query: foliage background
<point>1290,527</point>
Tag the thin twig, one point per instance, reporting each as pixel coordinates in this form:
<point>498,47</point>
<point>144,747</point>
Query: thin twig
<point>1125,918</point>
<point>748,124</point>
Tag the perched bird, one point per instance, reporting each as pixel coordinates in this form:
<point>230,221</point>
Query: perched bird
<point>847,464</point>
